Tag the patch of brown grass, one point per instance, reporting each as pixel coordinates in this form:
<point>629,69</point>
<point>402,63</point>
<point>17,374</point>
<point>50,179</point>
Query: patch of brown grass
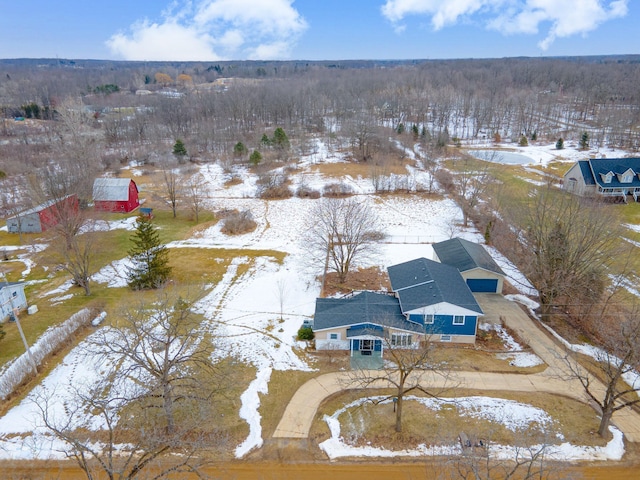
<point>371,278</point>
<point>359,169</point>
<point>574,420</point>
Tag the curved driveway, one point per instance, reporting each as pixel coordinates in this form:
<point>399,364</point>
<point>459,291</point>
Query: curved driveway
<point>301,410</point>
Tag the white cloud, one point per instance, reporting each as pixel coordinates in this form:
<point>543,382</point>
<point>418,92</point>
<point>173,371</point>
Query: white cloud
<point>214,30</point>
<point>566,17</point>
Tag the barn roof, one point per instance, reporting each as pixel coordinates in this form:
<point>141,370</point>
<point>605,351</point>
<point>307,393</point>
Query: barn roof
<point>111,189</point>
<point>422,282</point>
<point>465,255</point>
<point>42,206</point>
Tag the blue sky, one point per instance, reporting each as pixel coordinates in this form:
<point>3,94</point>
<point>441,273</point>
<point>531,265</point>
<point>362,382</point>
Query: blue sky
<point>209,30</point>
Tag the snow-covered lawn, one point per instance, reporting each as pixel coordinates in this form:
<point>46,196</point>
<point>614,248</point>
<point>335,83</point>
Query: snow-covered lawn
<point>246,309</point>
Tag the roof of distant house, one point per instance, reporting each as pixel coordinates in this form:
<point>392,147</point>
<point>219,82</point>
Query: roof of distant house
<point>594,169</point>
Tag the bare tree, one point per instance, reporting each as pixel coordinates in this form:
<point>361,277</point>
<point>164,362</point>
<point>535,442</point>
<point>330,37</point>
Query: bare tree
<point>195,189</point>
<point>162,344</point>
<point>563,245</point>
<point>470,182</point>
<point>170,176</point>
<point>342,231</point>
<point>123,449</point>
<point>75,254</point>
<point>611,382</point>
<point>528,461</point>
<point>409,369</point>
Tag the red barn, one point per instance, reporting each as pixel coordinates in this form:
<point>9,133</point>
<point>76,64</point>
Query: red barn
<point>42,217</point>
<point>115,195</point>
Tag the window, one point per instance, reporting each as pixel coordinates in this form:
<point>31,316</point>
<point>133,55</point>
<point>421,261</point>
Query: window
<point>366,347</point>
<point>458,319</point>
<point>334,336</point>
<point>445,338</point>
<point>401,340</point>
<point>428,319</point>
<point>627,179</point>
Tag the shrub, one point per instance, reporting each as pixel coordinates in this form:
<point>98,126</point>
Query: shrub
<point>239,223</point>
<point>275,192</point>
<point>523,141</point>
<point>305,333</point>
<point>560,144</point>
<point>306,192</point>
<point>337,190</point>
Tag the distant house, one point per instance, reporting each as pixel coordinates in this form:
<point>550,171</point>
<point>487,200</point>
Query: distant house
<point>429,300</point>
<point>42,217</point>
<point>115,195</point>
<point>615,177</point>
<point>12,299</point>
<point>474,263</point>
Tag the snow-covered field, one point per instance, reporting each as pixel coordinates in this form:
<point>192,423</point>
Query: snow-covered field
<point>243,308</point>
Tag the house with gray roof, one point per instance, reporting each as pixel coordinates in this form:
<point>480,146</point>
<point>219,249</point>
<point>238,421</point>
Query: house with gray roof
<point>429,301</point>
<point>475,264</point>
<point>606,177</point>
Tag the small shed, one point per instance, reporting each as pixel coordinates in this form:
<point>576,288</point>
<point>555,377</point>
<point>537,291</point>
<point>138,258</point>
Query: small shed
<point>12,299</point>
<point>115,195</point>
<point>42,217</point>
<point>477,267</point>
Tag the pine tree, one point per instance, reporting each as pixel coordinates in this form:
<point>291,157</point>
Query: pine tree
<point>255,158</point>
<point>149,257</point>
<point>560,144</point>
<point>280,139</point>
<point>239,149</point>
<point>584,141</point>
<point>179,150</point>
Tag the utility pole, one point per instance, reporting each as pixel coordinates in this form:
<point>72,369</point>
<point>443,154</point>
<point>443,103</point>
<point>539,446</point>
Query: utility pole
<point>14,312</point>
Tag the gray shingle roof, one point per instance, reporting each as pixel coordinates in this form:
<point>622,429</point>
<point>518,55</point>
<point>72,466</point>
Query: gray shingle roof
<point>465,255</point>
<point>364,307</point>
<point>111,189</point>
<point>617,166</point>
<point>422,282</point>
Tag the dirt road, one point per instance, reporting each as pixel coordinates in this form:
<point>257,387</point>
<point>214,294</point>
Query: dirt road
<point>311,471</point>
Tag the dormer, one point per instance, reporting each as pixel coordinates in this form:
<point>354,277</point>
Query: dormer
<point>626,176</point>
<point>606,177</point>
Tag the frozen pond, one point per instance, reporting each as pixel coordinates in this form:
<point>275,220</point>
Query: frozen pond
<point>498,156</point>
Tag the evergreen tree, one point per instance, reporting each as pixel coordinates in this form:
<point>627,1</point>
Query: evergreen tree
<point>239,149</point>
<point>400,128</point>
<point>265,140</point>
<point>255,158</point>
<point>560,144</point>
<point>280,139</point>
<point>584,141</point>
<point>179,150</point>
<point>415,131</point>
<point>149,257</point>
<point>523,141</point>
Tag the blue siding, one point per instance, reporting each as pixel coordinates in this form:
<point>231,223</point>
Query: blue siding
<point>443,325</point>
<point>483,285</point>
<point>419,319</point>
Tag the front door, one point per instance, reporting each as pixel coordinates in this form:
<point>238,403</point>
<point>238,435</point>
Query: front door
<point>366,347</point>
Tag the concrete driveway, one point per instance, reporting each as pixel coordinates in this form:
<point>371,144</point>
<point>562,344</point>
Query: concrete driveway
<point>300,412</point>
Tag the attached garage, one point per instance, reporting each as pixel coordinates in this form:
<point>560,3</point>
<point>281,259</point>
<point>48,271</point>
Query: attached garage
<point>483,285</point>
<point>477,267</point>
